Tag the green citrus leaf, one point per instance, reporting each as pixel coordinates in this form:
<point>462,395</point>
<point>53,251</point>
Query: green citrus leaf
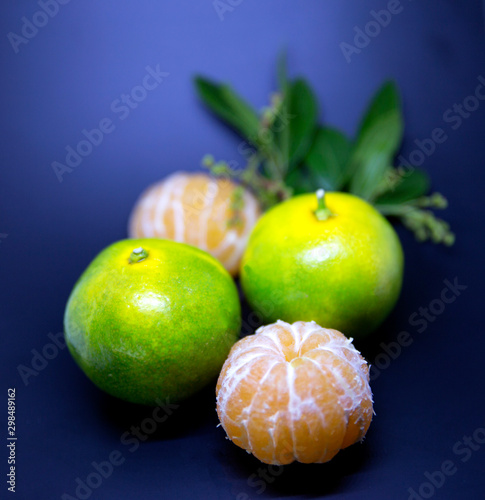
<point>328,159</point>
<point>280,126</point>
<point>226,104</point>
<point>301,181</point>
<point>414,184</point>
<point>302,117</point>
<point>282,71</point>
<point>379,138</point>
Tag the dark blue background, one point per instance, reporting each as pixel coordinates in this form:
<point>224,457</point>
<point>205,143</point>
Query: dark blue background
<point>65,79</point>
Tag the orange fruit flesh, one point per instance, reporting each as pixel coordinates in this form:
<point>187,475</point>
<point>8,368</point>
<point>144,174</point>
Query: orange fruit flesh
<point>294,392</point>
<point>196,209</point>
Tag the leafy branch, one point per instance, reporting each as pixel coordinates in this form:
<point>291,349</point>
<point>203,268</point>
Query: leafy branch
<point>290,153</point>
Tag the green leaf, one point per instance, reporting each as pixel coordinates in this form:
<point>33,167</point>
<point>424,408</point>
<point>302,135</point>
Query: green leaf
<point>301,119</point>
<point>379,138</point>
<point>301,181</point>
<point>328,159</point>
<point>282,72</point>
<point>280,128</point>
<point>225,103</point>
<point>413,184</point>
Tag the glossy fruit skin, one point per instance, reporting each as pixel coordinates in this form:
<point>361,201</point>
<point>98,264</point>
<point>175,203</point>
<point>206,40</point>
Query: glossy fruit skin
<point>155,329</point>
<point>344,272</point>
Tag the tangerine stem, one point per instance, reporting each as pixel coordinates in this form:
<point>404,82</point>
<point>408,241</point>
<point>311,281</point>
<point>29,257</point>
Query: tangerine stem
<point>137,255</point>
<point>322,212</point>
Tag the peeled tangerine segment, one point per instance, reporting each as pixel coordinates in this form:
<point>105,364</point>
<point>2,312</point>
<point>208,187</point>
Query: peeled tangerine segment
<point>195,208</point>
<point>294,392</point>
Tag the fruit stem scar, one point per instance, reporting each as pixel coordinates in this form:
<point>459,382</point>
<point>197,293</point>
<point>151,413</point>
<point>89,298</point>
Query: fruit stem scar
<point>137,255</point>
<point>322,212</point>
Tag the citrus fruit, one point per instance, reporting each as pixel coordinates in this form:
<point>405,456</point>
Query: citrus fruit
<point>197,209</point>
<point>337,262</point>
<point>294,392</point>
<point>152,319</point>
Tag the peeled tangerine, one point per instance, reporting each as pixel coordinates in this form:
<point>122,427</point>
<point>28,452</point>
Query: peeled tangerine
<point>196,209</point>
<point>294,392</point>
